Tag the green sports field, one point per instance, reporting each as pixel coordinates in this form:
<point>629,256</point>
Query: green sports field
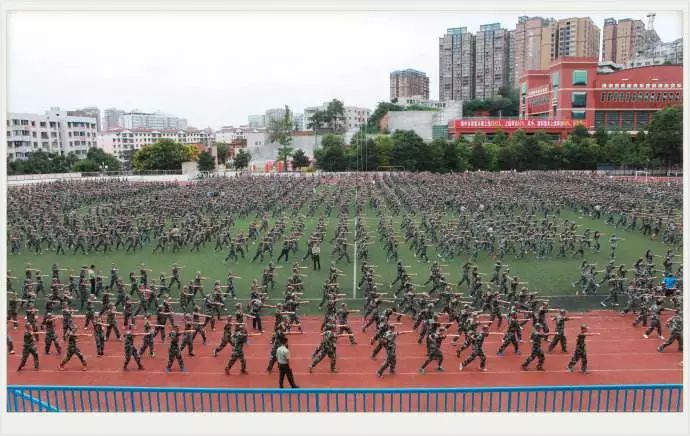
<point>550,277</point>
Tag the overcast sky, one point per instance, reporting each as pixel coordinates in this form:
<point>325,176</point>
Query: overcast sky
<point>215,69</point>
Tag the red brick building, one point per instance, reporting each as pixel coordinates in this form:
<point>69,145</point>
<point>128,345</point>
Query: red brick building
<point>573,89</point>
<point>577,91</point>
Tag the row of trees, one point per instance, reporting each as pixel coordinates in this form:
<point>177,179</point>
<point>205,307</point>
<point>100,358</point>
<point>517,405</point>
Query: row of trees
<point>42,162</point>
<point>661,146</point>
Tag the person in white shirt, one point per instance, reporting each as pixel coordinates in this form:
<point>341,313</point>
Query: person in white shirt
<point>283,357</point>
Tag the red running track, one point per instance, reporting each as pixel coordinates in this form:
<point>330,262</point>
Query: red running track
<point>619,356</point>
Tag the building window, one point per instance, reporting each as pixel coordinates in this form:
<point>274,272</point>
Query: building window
<point>555,80</point>
<point>664,97</point>
<point>599,118</point>
<point>603,95</point>
<point>608,96</point>
<point>642,120</point>
<point>627,119</point>
<point>579,99</point>
<point>577,115</point>
<point>627,97</point>
<point>612,120</point>
<point>580,77</point>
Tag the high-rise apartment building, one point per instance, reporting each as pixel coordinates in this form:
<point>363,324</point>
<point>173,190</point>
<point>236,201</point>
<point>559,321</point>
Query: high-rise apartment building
<point>408,83</point>
<point>531,49</point>
<point>456,65</point>
<point>622,40</point>
<point>577,37</point>
<point>541,41</point>
<point>257,121</point>
<point>112,118</point>
<point>492,54</point>
<point>89,112</point>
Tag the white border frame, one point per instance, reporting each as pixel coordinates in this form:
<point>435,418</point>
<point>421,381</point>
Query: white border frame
<point>313,424</point>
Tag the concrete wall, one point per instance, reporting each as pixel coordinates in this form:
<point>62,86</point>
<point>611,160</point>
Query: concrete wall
<point>419,121</point>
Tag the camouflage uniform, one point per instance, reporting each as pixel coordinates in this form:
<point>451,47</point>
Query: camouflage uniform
<point>239,338</point>
<point>327,348</point>
<point>580,353</point>
<point>675,333</point>
<point>174,351</point>
<point>560,333</point>
<point>72,349</point>
<point>477,351</point>
<point>28,348</point>
<point>131,351</point>
<point>433,351</point>
<point>537,352</point>
<point>391,360</point>
<point>225,340</point>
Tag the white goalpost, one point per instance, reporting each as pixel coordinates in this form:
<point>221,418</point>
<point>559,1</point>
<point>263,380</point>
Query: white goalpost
<point>642,173</point>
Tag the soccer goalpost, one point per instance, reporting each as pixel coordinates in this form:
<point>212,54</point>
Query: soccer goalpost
<point>640,174</point>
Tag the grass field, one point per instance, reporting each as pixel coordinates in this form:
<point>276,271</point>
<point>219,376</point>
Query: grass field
<point>550,277</point>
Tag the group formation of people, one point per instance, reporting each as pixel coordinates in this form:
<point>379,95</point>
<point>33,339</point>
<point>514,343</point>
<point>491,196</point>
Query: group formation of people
<point>456,218</point>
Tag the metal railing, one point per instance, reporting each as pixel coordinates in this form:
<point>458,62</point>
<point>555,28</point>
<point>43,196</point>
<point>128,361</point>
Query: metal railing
<point>614,398</point>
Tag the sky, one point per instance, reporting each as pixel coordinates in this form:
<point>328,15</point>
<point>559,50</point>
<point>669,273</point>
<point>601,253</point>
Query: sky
<point>216,69</point>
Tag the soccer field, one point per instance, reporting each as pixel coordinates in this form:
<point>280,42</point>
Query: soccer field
<point>550,277</point>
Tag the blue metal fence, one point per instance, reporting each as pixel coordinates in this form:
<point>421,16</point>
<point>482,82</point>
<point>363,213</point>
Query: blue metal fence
<point>614,398</point>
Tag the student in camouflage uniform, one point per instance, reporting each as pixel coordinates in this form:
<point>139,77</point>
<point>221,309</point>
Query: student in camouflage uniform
<point>29,346</point>
<point>433,349</point>
<point>112,323</point>
<point>580,350</point>
<point>537,336</point>
<point>174,352</point>
<point>655,323</point>
<point>675,326</point>
<point>478,349</point>
<point>226,338</point>
<point>326,348</point>
<point>188,340</point>
<point>51,335</point>
<point>511,335</point>
<point>73,349</point>
<point>239,339</point>
<point>130,349</point>
<point>389,344</point>
<point>559,335</point>
<point>99,336</point>
<point>148,337</point>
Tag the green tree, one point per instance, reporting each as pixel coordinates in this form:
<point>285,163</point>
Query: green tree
<point>384,150</point>
<point>164,154</point>
<point>407,148</point>
<point>665,135</point>
<point>500,138</point>
<point>492,154</point>
<point>615,148</point>
<point>334,114</point>
<point>579,132</point>
<point>381,110</point>
<point>479,157</point>
<point>242,158</point>
<point>222,149</point>
<point>331,156</point>
<point>299,159</point>
<point>581,155</point>
<point>506,157</point>
<point>206,161</point>
<point>464,154</point>
<point>316,121</point>
<point>279,131</point>
<point>601,135</point>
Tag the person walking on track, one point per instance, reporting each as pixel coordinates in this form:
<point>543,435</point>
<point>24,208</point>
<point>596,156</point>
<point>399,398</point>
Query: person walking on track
<point>283,356</point>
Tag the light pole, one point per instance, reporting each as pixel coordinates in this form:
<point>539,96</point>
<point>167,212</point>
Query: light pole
<point>104,168</point>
